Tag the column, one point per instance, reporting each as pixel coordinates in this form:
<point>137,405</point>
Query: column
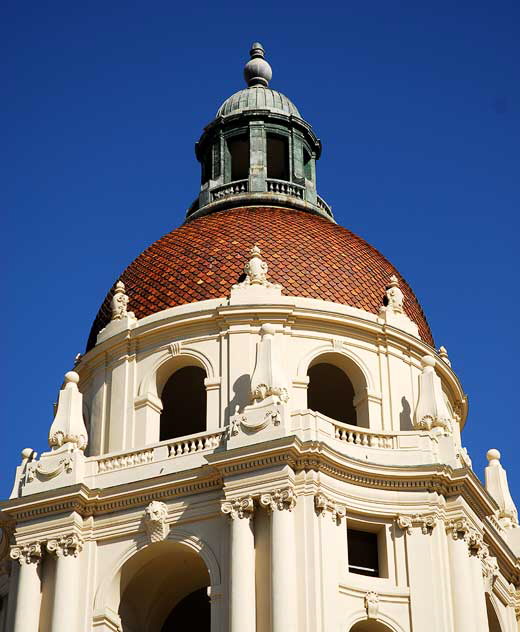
<point>477,550</point>
<point>28,599</point>
<point>66,586</point>
<point>242,565</point>
<point>284,606</point>
<point>464,615</point>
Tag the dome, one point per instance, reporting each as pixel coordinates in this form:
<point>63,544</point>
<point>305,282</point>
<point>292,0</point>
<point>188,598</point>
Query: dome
<point>308,255</point>
<point>258,98</point>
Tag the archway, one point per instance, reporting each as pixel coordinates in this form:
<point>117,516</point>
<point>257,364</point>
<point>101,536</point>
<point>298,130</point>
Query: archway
<point>184,403</point>
<point>331,392</point>
<point>162,586</point>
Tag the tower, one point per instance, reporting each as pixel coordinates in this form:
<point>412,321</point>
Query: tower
<point>261,435</point>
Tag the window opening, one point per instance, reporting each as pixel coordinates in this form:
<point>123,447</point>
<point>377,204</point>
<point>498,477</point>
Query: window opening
<point>206,165</point>
<point>331,393</point>
<point>239,149</point>
<point>277,157</point>
<point>363,553</point>
<point>184,403</point>
<point>307,166</point>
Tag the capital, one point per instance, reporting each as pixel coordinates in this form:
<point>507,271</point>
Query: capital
<point>27,553</point>
<point>67,546</point>
<point>323,504</point>
<point>279,499</point>
<point>238,508</point>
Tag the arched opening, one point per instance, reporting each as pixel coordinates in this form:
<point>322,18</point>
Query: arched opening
<point>370,626</point>
<point>331,393</point>
<point>307,164</point>
<point>163,588</point>
<point>238,147</point>
<point>184,403</point>
<point>193,611</point>
<point>493,622</point>
<point>277,157</point>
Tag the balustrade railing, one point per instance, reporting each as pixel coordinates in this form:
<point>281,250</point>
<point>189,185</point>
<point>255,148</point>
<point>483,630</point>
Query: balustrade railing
<point>320,202</point>
<point>364,437</point>
<point>196,443</point>
<point>231,188</point>
<point>289,188</point>
<point>121,461</point>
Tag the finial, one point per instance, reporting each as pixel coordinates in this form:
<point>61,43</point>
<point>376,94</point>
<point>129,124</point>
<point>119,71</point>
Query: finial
<point>257,72</point>
<point>443,355</point>
<point>493,456</point>
<point>120,302</point>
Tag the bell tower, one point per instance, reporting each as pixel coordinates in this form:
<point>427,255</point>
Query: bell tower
<point>261,435</point>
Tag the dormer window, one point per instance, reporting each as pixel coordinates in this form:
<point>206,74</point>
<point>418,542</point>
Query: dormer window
<point>277,157</point>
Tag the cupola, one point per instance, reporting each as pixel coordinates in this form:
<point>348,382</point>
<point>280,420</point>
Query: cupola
<point>258,150</point>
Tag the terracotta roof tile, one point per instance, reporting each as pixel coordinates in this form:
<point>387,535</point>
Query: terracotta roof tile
<point>309,255</point>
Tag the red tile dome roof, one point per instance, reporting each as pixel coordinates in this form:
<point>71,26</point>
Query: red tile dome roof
<point>308,255</point>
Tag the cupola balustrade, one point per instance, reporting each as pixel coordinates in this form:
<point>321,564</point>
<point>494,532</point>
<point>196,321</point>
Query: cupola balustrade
<point>258,150</point>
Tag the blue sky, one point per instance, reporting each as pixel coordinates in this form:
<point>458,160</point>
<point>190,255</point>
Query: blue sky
<point>418,109</point>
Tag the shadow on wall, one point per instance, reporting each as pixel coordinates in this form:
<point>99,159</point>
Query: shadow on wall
<point>405,416</point>
<point>241,395</point>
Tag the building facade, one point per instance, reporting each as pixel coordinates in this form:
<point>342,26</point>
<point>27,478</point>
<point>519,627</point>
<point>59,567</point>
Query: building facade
<point>261,435</point>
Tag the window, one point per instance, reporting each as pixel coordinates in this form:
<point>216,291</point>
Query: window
<point>363,552</point>
<point>307,165</point>
<point>277,157</point>
<point>206,166</point>
<point>239,150</point>
<point>184,403</point>
<point>331,393</point>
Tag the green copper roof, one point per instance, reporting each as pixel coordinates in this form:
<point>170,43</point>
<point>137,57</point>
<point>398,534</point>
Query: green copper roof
<point>258,98</point>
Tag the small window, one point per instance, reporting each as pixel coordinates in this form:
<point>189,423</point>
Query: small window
<point>331,393</point>
<point>307,165</point>
<point>239,149</point>
<point>363,553</point>
<point>184,403</point>
<point>277,157</point>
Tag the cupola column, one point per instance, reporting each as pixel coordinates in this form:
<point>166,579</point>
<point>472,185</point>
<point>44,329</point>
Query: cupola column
<point>242,565</point>
<point>257,156</point>
<point>281,503</point>
<point>465,611</point>
<point>29,590</point>
<point>66,586</point>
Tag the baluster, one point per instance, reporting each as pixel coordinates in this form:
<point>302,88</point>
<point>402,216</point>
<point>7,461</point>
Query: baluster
<point>357,440</point>
<point>364,439</point>
<point>350,437</point>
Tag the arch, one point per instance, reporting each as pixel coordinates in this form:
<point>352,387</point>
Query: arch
<point>358,622</point>
<point>331,392</point>
<point>108,594</point>
<point>354,368</point>
<point>167,363</point>
<point>357,370</point>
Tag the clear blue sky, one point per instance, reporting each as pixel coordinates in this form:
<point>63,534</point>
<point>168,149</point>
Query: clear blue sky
<point>418,109</point>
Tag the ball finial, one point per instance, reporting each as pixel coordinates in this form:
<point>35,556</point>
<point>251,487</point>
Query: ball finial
<point>257,72</point>
<point>493,455</point>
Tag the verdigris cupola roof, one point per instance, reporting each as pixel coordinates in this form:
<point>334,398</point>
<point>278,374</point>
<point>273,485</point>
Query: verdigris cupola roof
<point>258,150</point>
<point>258,95</point>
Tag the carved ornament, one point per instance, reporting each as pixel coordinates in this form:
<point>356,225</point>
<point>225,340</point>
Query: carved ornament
<point>27,553</point>
<point>239,507</point>
<point>119,303</point>
<point>66,546</point>
<point>322,504</point>
<point>372,604</point>
<point>279,499</point>
<point>425,522</point>
<point>155,521</point>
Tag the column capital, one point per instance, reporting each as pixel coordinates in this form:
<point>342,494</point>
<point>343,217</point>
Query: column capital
<point>459,528</point>
<point>426,523</point>
<point>243,507</point>
<point>27,553</point>
<point>66,546</point>
<point>322,504</point>
<point>279,499</point>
